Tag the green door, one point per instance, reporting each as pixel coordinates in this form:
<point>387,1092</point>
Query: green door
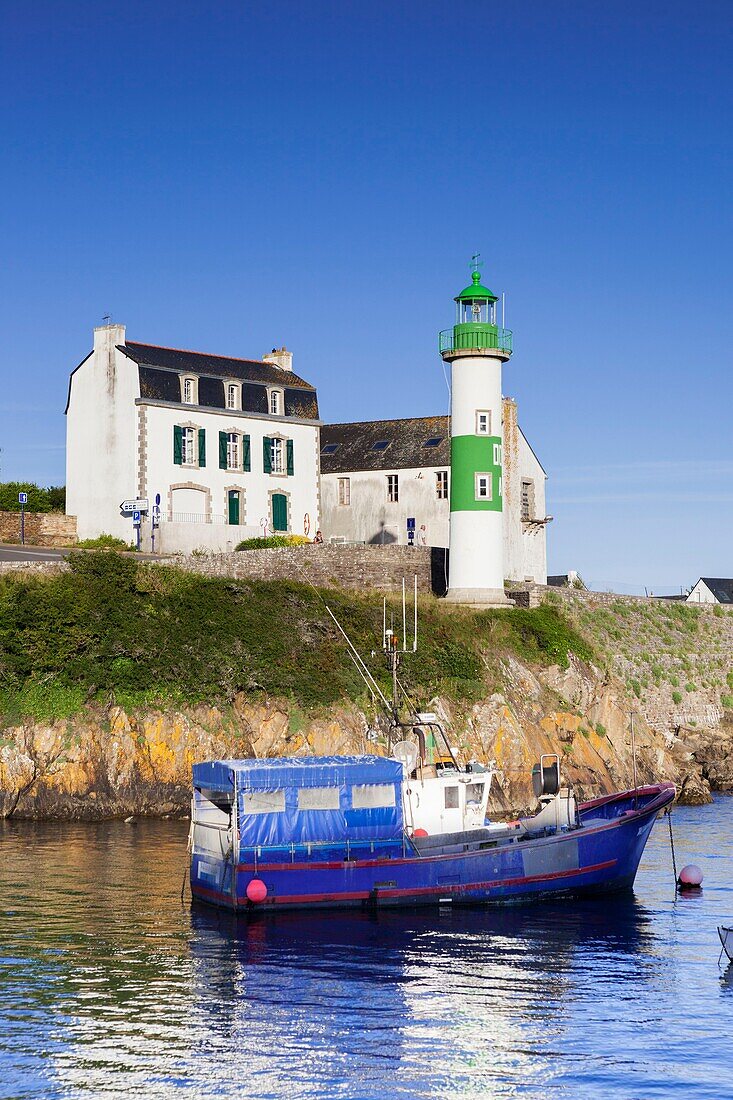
<point>233,506</point>
<point>279,512</point>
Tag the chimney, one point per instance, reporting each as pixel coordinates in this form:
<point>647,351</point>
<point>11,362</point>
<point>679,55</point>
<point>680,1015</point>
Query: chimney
<point>107,336</point>
<point>280,357</point>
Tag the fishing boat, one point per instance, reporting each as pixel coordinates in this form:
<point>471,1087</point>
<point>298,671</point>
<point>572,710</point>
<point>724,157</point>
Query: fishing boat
<point>317,832</point>
<point>726,939</point>
<point>403,829</point>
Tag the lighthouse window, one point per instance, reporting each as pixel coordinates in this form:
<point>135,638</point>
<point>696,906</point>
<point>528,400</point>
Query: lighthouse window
<point>483,487</point>
<point>441,484</point>
<point>393,488</point>
<point>483,422</point>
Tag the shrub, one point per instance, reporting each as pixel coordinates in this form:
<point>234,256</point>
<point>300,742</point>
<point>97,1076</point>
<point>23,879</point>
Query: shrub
<point>636,688</point>
<point>272,542</point>
<point>676,698</point>
<point>600,729</point>
<point>718,611</point>
<point>726,702</point>
<point>104,542</point>
<point>690,687</point>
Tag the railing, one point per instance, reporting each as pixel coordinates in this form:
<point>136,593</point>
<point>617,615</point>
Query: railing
<point>475,337</point>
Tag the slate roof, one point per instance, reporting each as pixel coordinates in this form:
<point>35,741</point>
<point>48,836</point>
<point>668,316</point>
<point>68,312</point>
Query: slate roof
<point>160,370</point>
<point>406,438</point>
<point>721,588</point>
<point>219,366</point>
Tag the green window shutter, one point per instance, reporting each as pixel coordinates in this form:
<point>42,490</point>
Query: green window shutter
<point>222,450</point>
<point>267,455</point>
<point>202,446</point>
<point>246,461</point>
<point>291,464</point>
<point>177,444</point>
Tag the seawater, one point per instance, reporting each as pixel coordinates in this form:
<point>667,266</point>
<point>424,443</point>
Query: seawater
<point>112,986</point>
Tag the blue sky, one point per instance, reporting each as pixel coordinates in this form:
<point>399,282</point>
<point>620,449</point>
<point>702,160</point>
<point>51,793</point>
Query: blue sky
<point>232,176</point>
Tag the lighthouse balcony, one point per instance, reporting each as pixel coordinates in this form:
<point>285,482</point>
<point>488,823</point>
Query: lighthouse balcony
<point>475,339</point>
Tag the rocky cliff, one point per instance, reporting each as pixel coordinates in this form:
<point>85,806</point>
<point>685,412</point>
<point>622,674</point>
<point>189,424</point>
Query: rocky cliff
<point>111,762</point>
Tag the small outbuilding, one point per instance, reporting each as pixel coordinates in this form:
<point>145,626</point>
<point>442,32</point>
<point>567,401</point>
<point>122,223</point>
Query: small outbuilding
<point>712,590</point>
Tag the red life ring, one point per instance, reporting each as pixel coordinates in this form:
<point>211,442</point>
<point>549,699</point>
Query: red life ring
<point>306,524</point>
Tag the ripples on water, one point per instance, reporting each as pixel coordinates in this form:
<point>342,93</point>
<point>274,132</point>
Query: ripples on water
<point>110,986</point>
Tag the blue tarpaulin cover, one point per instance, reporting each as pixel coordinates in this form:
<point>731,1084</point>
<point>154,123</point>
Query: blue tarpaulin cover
<point>272,788</point>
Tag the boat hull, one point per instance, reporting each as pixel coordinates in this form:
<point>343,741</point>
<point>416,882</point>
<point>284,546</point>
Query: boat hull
<point>602,855</point>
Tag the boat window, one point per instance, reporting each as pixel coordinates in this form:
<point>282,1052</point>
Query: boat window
<point>474,792</point>
<point>372,796</point>
<point>318,798</point>
<point>451,798</point>
<point>263,802</point>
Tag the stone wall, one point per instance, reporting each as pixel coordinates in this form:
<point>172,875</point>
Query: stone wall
<point>41,528</point>
<point>357,567</point>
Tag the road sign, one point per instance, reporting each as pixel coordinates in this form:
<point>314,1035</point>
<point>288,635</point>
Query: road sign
<point>136,519</point>
<point>22,498</point>
<point>140,505</point>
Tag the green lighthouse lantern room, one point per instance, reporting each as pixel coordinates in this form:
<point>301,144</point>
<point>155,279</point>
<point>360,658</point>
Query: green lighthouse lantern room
<point>475,328</point>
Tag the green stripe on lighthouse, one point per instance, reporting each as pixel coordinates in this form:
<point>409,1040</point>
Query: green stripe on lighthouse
<point>471,455</point>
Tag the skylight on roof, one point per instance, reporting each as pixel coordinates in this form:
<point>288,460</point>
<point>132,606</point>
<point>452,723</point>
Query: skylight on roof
<point>381,445</point>
<point>434,441</point>
<point>329,449</point>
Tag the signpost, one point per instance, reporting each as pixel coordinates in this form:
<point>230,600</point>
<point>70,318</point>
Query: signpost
<point>156,521</point>
<point>22,501</point>
<point>140,505</point>
<point>136,525</point>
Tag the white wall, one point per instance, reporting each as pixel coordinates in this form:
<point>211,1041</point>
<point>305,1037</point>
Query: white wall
<point>101,437</point>
<point>701,594</point>
<point>160,474</point>
<point>371,518</point>
<point>525,545</point>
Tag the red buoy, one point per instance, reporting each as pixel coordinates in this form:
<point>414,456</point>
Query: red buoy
<point>690,877</point>
<point>256,890</point>
<point>421,832</point>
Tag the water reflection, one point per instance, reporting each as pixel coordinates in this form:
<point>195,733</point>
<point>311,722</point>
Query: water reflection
<point>110,986</point>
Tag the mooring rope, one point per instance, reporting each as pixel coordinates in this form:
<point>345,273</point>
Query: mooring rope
<point>671,844</point>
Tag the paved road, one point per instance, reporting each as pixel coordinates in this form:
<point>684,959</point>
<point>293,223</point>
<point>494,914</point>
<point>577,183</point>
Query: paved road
<point>29,553</point>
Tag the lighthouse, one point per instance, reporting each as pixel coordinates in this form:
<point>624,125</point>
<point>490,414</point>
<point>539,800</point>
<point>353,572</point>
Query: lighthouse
<point>476,347</point>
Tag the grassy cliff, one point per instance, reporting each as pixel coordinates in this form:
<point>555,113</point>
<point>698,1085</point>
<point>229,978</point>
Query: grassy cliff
<point>112,629</point>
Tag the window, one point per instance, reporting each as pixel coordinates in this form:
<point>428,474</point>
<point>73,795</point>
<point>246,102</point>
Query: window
<point>483,487</point>
<point>190,391</point>
<point>380,445</point>
<point>277,465</point>
<point>434,441</point>
<point>393,488</point>
<point>372,796</point>
<point>318,798</point>
<point>263,802</point>
<point>441,484</point>
<point>528,504</point>
<point>474,792</point>
<point>483,422</point>
<point>233,462</point>
<point>451,798</point>
<point>233,401</point>
<point>276,402</point>
<point>188,439</point>
<point>330,449</point>
<point>344,490</point>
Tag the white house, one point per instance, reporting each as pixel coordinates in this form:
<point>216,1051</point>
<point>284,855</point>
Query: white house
<point>377,475</point>
<point>230,446</point>
<point>712,590</point>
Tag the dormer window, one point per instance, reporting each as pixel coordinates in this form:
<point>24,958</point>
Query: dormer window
<point>189,391</point>
<point>276,402</point>
<point>233,395</point>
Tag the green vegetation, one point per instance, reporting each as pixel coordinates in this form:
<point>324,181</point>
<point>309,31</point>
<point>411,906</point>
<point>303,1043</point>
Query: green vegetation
<point>113,628</point>
<point>52,499</point>
<point>676,698</point>
<point>272,542</point>
<point>104,542</point>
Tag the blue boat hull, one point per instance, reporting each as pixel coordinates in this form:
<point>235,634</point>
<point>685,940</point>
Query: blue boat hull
<point>601,855</point>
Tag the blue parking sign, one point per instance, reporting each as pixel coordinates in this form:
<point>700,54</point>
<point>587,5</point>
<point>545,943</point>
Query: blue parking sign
<point>136,519</point>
